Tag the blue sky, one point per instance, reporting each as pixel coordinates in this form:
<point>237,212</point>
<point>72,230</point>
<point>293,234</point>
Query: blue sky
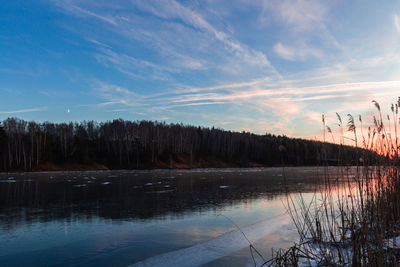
<point>260,66</point>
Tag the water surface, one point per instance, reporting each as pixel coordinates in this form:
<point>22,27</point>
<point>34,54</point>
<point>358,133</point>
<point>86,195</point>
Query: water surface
<point>147,218</point>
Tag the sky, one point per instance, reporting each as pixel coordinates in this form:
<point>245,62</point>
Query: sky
<point>261,66</point>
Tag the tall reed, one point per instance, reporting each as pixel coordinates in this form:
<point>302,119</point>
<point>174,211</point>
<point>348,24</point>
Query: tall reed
<point>355,219</point>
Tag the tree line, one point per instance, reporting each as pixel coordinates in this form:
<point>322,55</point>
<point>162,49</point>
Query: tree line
<point>117,144</point>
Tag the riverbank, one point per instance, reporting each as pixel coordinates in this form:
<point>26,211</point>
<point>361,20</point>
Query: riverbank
<point>180,163</point>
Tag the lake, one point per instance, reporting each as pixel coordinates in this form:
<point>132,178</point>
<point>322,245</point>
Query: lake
<point>149,217</point>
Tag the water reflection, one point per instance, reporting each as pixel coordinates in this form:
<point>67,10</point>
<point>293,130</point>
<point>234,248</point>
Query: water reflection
<point>115,218</point>
<point>139,195</point>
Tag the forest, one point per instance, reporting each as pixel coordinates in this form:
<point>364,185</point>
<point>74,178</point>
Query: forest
<point>121,144</point>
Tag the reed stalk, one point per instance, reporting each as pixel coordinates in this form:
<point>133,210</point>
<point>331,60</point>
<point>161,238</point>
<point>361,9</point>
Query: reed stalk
<point>354,220</point>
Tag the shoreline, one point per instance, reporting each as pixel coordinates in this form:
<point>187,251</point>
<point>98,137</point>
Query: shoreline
<point>170,169</point>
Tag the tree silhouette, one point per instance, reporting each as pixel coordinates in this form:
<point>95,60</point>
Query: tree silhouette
<point>145,144</point>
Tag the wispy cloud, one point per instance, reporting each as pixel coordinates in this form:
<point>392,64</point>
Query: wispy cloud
<point>22,110</point>
<point>136,68</point>
<point>305,26</point>
<point>396,22</point>
<point>173,9</point>
<point>301,16</point>
<point>293,92</point>
<point>220,86</point>
<point>116,95</point>
<point>79,11</point>
<point>285,52</point>
<point>292,53</point>
<point>183,38</point>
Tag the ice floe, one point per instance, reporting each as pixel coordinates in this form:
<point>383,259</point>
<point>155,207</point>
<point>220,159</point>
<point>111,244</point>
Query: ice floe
<point>160,191</point>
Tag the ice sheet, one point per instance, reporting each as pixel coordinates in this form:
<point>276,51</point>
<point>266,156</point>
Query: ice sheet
<point>218,247</point>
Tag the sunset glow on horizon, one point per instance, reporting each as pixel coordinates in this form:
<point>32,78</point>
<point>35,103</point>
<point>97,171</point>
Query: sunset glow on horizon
<point>260,66</point>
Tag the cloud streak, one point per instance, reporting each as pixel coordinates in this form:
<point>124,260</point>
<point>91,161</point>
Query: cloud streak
<point>396,21</point>
<point>79,11</point>
<point>293,92</point>
<point>9,112</point>
<point>173,9</point>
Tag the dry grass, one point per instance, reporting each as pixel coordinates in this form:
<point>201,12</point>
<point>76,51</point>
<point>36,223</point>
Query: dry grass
<point>355,219</point>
